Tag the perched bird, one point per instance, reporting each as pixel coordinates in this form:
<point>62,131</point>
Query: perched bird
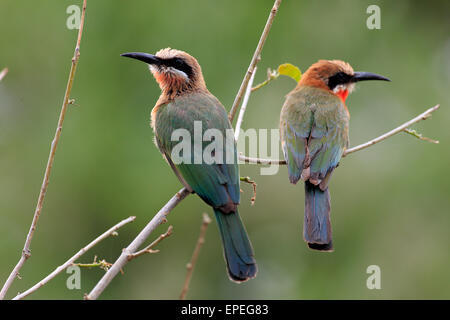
<point>314,135</point>
<point>184,100</point>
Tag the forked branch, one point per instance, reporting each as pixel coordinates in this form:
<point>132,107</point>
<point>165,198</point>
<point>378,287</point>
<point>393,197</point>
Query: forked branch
<point>112,231</point>
<point>149,248</point>
<point>255,59</point>
<point>26,252</point>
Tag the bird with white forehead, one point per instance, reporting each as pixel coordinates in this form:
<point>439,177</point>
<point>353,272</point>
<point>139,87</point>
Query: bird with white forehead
<point>184,101</point>
<point>314,125</point>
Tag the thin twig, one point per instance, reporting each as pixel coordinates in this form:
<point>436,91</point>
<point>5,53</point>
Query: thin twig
<point>248,91</point>
<point>159,218</point>
<point>419,136</point>
<point>26,252</point>
<point>102,264</point>
<point>149,248</point>
<point>271,75</point>
<point>255,60</point>
<point>191,265</point>
<point>423,116</point>
<point>183,193</point>
<point>3,73</point>
<point>71,261</point>
<point>253,183</point>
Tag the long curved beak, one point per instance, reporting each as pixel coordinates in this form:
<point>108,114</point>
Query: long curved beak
<point>145,57</point>
<point>362,76</point>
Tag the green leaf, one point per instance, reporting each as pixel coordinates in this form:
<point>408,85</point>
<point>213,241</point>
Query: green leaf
<point>290,70</point>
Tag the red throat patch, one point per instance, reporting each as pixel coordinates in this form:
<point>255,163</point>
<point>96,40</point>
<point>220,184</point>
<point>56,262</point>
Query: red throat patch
<point>342,94</point>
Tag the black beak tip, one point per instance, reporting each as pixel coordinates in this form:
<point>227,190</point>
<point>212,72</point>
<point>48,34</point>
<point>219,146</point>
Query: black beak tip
<point>382,78</point>
<point>141,56</point>
<point>127,54</point>
<point>362,76</point>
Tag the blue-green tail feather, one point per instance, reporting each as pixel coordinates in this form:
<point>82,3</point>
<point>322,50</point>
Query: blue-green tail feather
<point>317,224</point>
<point>238,251</point>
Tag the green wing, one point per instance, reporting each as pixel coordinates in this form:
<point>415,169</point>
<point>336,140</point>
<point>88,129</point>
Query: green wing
<point>216,184</point>
<point>314,132</point>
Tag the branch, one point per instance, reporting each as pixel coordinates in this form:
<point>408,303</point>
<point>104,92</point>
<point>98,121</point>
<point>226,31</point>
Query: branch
<point>183,193</point>
<point>26,252</point>
<point>149,248</point>
<point>133,247</point>
<point>255,60</point>
<point>191,265</point>
<point>423,116</point>
<point>261,160</point>
<point>3,73</point>
<point>112,231</point>
<point>248,91</point>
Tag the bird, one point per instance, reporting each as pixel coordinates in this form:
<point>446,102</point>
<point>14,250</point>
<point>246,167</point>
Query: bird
<point>314,133</point>
<point>184,101</point>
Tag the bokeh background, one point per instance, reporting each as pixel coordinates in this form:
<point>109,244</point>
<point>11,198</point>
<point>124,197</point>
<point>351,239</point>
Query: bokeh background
<point>390,203</point>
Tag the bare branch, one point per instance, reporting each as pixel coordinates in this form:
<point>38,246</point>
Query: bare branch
<point>420,117</point>
<point>255,60</point>
<point>248,91</point>
<point>149,248</point>
<point>26,252</point>
<point>191,265</point>
<point>3,73</point>
<point>253,160</point>
<point>423,116</point>
<point>74,258</point>
<point>123,259</point>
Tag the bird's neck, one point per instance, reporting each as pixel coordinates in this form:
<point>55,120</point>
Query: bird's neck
<point>170,94</point>
<point>342,94</point>
<point>173,85</point>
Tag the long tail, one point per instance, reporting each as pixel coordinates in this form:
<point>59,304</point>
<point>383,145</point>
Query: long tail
<point>317,224</point>
<point>238,251</point>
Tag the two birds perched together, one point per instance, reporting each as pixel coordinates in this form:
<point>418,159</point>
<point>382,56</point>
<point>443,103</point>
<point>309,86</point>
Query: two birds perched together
<point>314,135</point>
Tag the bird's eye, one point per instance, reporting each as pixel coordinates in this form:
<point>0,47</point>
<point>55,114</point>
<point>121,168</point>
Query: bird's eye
<point>181,65</point>
<point>337,79</point>
<point>178,63</point>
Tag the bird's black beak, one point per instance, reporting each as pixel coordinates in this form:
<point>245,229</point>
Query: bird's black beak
<point>362,76</point>
<point>145,57</point>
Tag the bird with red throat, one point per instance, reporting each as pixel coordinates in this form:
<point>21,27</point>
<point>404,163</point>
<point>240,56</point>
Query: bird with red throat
<point>185,101</point>
<point>314,129</point>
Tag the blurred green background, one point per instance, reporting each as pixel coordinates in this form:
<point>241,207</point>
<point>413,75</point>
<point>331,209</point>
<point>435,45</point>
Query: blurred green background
<point>390,203</point>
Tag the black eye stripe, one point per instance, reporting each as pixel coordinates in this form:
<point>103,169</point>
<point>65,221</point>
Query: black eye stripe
<point>337,79</point>
<point>179,64</point>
